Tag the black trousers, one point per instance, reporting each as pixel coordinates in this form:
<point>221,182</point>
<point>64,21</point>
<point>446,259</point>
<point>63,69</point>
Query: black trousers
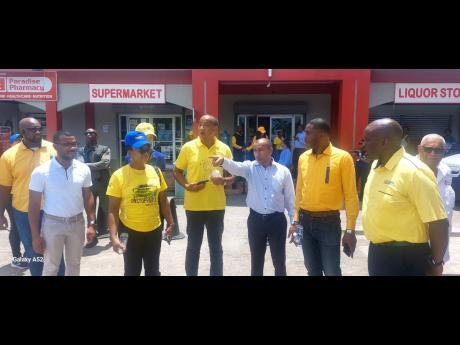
<point>142,247</point>
<point>273,227</point>
<point>196,221</point>
<point>391,260</point>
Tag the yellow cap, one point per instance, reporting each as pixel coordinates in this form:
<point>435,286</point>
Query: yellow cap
<point>261,129</point>
<point>147,128</point>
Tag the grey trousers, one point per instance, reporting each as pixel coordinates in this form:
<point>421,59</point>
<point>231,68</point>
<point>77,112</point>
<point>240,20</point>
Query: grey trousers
<point>60,237</point>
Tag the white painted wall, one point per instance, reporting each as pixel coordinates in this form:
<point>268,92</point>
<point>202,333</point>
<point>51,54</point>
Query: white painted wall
<point>381,93</point>
<point>73,121</point>
<point>104,115</point>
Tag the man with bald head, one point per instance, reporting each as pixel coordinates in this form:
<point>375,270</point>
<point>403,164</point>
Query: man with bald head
<point>402,208</point>
<point>270,192</point>
<point>16,166</point>
<point>204,199</point>
<point>431,151</point>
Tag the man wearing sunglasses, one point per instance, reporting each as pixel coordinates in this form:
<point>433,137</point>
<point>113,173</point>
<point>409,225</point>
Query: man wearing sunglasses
<point>97,158</point>
<point>16,166</point>
<point>431,151</point>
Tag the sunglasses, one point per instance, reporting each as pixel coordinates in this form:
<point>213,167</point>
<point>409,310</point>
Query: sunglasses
<point>144,150</point>
<point>433,149</point>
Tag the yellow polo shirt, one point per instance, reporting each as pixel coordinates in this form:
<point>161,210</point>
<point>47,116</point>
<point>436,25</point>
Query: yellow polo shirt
<point>139,191</point>
<point>194,157</point>
<point>16,166</point>
<point>325,181</point>
<point>399,199</point>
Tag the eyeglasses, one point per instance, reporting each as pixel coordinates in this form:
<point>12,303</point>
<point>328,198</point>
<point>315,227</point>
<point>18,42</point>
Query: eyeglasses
<point>68,145</point>
<point>90,133</point>
<point>433,149</point>
<point>33,129</point>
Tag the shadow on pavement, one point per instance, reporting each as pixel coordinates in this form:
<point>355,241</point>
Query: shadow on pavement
<point>238,200</point>
<point>96,250</point>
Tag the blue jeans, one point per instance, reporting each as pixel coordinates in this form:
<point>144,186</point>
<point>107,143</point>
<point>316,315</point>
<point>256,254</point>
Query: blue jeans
<point>36,260</point>
<point>13,237</point>
<point>321,244</point>
<point>214,221</point>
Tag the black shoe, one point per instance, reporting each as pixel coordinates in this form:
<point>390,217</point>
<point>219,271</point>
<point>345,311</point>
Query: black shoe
<point>92,243</point>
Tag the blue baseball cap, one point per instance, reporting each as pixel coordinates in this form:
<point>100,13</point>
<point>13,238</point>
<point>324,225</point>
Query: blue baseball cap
<point>14,137</point>
<point>136,139</point>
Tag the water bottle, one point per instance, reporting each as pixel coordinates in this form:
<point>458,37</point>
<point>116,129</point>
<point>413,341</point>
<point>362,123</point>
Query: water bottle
<point>298,235</point>
<point>124,242</point>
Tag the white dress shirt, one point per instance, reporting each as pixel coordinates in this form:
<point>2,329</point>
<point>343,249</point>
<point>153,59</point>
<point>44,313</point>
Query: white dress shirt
<point>444,180</point>
<point>269,189</point>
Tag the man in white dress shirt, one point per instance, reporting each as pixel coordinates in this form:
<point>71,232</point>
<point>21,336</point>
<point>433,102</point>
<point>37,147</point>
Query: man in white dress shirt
<point>270,192</point>
<point>431,151</point>
<point>65,184</point>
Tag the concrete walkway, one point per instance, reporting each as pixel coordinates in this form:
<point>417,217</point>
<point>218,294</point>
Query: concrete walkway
<point>103,261</point>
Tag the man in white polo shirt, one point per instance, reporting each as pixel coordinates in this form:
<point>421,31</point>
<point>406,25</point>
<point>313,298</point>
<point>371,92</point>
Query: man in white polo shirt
<point>65,184</point>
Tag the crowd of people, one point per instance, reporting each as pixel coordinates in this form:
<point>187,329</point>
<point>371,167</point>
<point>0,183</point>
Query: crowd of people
<point>47,187</point>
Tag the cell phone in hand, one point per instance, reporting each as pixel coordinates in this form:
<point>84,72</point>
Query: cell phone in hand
<point>202,182</point>
<point>347,250</point>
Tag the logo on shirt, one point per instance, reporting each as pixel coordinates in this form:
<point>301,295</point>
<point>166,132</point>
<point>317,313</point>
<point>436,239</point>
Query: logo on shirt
<point>143,194</point>
<point>389,182</point>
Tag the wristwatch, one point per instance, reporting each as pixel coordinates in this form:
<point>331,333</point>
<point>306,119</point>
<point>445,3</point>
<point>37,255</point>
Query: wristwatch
<point>92,223</point>
<point>350,232</point>
<point>434,263</point>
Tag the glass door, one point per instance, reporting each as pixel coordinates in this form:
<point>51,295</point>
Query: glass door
<point>164,128</point>
<point>283,123</point>
<point>168,129</point>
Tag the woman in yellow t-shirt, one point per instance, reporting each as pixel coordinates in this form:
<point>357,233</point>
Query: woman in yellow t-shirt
<point>135,192</point>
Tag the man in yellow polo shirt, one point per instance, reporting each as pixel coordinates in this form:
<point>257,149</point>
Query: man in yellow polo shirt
<point>326,178</point>
<point>16,166</point>
<point>204,199</point>
<point>402,208</point>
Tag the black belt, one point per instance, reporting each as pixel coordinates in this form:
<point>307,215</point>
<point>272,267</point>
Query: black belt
<point>321,214</point>
<point>264,216</point>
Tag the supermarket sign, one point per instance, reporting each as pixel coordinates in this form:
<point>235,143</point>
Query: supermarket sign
<point>28,86</point>
<point>427,93</point>
<point>127,93</point>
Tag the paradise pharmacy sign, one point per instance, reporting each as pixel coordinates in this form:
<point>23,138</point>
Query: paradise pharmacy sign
<point>28,86</point>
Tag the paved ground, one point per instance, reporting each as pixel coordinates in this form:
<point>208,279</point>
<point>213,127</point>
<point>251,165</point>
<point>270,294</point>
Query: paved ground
<point>103,261</point>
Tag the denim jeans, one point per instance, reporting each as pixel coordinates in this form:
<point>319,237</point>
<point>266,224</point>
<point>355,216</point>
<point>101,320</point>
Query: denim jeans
<point>13,237</point>
<point>321,245</point>
<point>273,227</point>
<point>36,260</point>
<point>214,221</point>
